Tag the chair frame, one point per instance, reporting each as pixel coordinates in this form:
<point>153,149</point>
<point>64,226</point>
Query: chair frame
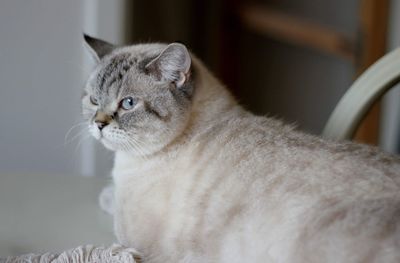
<point>355,103</point>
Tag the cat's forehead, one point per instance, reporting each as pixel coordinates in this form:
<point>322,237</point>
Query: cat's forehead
<point>122,67</point>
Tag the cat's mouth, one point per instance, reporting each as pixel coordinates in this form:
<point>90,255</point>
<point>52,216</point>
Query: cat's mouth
<point>112,138</point>
<point>108,139</point>
<point>96,133</point>
<point>108,144</point>
<point>103,138</point>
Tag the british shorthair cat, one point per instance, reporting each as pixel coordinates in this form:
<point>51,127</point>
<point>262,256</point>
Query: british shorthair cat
<point>198,178</point>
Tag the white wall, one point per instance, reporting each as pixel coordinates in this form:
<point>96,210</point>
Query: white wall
<point>43,67</point>
<point>41,81</point>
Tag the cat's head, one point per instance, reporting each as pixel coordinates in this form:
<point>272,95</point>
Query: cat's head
<point>138,98</point>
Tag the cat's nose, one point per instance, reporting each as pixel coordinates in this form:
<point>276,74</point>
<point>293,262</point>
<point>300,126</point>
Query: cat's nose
<point>102,119</point>
<point>101,124</point>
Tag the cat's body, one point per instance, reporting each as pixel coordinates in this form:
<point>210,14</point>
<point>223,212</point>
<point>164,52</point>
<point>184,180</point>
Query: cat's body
<point>234,187</point>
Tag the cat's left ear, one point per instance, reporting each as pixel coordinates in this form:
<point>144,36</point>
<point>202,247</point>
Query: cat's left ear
<point>98,48</point>
<point>173,64</point>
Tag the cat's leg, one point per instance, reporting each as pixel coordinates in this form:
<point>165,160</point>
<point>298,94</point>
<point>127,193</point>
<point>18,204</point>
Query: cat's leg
<point>107,199</point>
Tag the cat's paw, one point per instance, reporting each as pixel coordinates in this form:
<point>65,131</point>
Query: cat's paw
<point>107,199</point>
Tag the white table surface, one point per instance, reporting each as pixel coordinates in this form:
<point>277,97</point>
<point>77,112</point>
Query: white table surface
<point>42,213</point>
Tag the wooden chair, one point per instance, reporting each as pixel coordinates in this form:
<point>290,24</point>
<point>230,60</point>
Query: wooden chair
<point>368,88</point>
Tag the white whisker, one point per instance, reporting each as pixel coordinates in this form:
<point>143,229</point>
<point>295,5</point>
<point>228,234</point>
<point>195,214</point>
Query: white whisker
<point>138,147</point>
<point>77,135</point>
<point>82,138</point>
<point>78,125</point>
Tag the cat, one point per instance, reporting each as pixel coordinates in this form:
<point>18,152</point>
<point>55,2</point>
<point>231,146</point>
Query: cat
<point>200,179</point>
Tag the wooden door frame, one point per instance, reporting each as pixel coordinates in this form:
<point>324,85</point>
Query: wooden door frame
<point>372,39</point>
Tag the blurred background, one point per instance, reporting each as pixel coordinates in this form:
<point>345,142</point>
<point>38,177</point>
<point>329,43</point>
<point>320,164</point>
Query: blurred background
<point>292,59</point>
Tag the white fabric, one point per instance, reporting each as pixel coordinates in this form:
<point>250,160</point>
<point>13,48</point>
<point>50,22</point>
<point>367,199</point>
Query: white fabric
<point>84,254</point>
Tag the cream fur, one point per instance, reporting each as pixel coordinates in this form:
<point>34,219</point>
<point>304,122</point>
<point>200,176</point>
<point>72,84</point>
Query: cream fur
<point>223,185</point>
<point>239,188</point>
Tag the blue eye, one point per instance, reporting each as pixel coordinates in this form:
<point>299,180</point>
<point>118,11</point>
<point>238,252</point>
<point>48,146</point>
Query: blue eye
<point>127,103</point>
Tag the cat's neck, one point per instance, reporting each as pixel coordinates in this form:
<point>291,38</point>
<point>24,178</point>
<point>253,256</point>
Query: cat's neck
<point>212,101</point>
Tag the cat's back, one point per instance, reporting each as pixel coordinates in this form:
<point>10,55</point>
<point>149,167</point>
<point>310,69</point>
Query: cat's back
<point>265,147</point>
<point>263,158</point>
<point>299,192</point>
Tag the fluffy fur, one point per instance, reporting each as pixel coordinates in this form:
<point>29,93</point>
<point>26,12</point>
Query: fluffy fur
<point>199,179</point>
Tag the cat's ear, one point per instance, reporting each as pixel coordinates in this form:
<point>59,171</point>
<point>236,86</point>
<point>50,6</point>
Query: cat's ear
<point>173,64</point>
<point>98,48</point>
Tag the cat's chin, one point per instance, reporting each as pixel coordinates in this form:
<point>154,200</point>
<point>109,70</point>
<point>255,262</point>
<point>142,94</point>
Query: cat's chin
<point>102,138</point>
<point>117,148</point>
<point>110,146</point>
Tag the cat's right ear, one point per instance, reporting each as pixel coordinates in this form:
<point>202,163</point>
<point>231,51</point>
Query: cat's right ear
<point>97,48</point>
<point>172,64</point>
